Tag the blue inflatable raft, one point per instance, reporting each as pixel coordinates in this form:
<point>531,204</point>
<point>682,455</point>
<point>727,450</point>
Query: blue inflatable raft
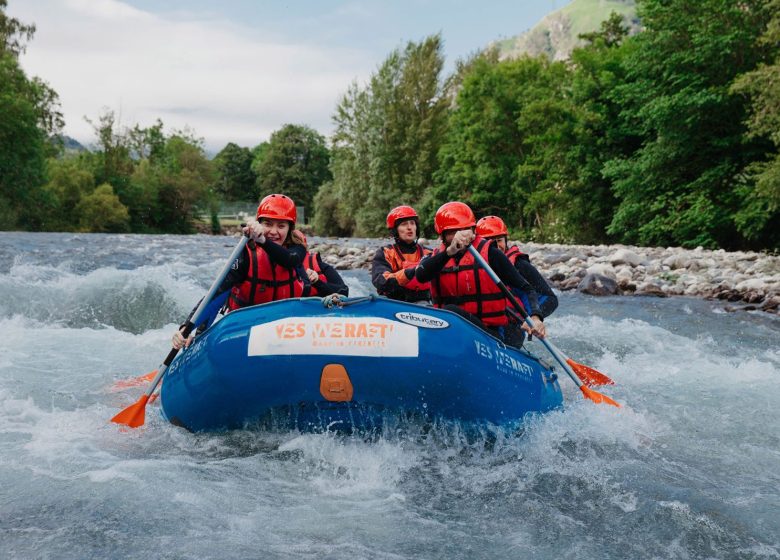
<point>296,364</point>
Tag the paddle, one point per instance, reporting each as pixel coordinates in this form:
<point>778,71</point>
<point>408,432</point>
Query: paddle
<point>133,415</point>
<point>133,382</point>
<point>207,316</point>
<point>591,377</point>
<point>588,393</point>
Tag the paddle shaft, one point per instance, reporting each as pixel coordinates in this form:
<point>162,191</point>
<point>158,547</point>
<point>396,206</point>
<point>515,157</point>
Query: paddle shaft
<point>524,314</point>
<point>190,325</point>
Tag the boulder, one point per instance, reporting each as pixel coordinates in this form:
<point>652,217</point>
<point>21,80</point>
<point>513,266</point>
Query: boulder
<point>602,269</point>
<point>625,256</point>
<point>569,283</point>
<point>650,289</point>
<point>752,284</point>
<point>597,285</point>
<point>556,258</point>
<point>677,260</point>
<point>771,304</point>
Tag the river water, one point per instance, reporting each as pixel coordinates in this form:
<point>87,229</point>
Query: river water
<point>688,468</point>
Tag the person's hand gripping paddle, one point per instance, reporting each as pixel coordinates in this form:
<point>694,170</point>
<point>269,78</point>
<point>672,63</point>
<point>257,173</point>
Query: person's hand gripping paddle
<point>588,393</point>
<point>134,415</point>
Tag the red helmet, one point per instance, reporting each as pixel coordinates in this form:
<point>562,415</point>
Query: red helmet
<point>400,213</point>
<point>277,207</point>
<point>453,215</point>
<point>491,226</point>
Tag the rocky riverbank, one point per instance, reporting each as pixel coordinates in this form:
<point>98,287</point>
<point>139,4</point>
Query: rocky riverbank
<point>746,280</point>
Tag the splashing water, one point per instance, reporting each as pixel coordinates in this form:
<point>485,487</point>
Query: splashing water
<point>688,468</point>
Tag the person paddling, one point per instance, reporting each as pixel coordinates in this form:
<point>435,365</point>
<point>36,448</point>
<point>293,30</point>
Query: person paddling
<point>392,270</point>
<point>269,269</point>
<point>324,278</point>
<point>494,228</point>
<point>460,285</point>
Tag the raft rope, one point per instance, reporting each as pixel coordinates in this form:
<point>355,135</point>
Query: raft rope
<point>336,300</point>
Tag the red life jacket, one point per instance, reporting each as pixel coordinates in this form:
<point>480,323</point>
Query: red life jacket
<point>264,282</point>
<point>401,261</point>
<point>463,283</point>
<point>312,262</point>
<point>514,253</point>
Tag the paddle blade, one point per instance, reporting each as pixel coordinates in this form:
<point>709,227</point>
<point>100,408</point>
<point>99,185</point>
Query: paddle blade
<point>597,397</point>
<point>134,415</point>
<point>588,375</point>
<point>134,382</point>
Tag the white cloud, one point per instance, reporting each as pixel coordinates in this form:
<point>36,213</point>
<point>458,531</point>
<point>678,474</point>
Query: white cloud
<point>226,81</point>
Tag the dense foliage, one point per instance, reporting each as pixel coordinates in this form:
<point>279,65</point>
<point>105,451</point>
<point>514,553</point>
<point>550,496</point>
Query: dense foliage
<point>386,142</point>
<point>29,116</point>
<point>294,162</point>
<point>668,137</point>
<point>137,179</point>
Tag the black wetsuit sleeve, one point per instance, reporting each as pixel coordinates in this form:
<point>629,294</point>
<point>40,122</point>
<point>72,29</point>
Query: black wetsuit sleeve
<point>379,266</point>
<point>334,285</point>
<point>534,277</point>
<point>430,266</point>
<point>287,257</point>
<point>511,277</point>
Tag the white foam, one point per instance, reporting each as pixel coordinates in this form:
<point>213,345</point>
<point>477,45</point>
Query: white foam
<point>348,466</point>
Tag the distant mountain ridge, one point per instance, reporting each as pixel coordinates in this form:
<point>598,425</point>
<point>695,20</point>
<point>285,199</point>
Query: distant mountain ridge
<point>71,145</point>
<point>557,34</point>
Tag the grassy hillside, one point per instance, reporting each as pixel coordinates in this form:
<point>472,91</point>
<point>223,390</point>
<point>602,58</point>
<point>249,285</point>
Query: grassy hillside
<point>556,35</point>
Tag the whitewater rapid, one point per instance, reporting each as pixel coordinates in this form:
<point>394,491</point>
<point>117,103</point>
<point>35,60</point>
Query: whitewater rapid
<point>688,468</point>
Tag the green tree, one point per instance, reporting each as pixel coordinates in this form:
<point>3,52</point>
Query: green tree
<point>295,163</point>
<point>13,33</point>
<point>759,217</point>
<point>146,143</point>
<point>235,177</point>
<point>184,182</point>
<point>496,157</point>
<point>351,162</point>
<point>29,116</point>
<point>163,181</point>
<point>101,211</point>
<point>328,219</point>
<point>588,201</point>
<point>69,181</point>
<point>680,186</point>
<point>113,162</point>
<point>258,155</point>
<point>387,138</point>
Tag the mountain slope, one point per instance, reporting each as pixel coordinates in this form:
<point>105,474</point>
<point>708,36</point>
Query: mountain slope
<point>556,35</point>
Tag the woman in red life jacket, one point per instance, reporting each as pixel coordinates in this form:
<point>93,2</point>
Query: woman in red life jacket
<point>268,269</point>
<point>459,284</point>
<point>392,270</point>
<point>494,228</point>
<point>323,278</point>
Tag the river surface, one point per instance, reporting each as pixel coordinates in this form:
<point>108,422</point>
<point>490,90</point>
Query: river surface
<point>688,468</point>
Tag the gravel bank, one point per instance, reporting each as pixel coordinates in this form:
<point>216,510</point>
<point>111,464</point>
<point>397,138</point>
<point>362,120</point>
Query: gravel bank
<point>747,280</point>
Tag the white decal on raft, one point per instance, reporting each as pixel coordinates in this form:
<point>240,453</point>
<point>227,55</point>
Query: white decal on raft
<point>505,362</point>
<point>348,336</point>
<point>421,320</point>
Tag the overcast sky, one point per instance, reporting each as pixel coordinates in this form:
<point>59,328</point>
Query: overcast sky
<point>235,71</point>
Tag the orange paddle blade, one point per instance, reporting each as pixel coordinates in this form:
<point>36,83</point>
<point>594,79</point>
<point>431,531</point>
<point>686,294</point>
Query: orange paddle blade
<point>597,397</point>
<point>588,375</point>
<point>134,382</point>
<point>134,414</point>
